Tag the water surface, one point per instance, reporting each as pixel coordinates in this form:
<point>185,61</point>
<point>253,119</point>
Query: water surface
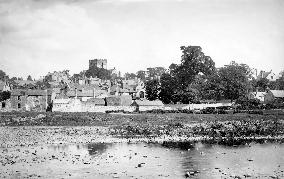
<point>102,160</point>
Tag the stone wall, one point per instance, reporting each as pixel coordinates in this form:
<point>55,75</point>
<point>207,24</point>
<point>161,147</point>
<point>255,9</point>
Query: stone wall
<point>75,105</point>
<point>149,108</point>
<point>21,100</point>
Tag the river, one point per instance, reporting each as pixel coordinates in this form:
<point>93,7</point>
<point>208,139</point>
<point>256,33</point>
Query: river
<point>142,160</point>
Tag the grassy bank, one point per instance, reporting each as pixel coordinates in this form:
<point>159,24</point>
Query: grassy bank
<point>229,128</point>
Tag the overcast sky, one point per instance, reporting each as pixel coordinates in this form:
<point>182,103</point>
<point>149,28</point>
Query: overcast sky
<point>38,36</point>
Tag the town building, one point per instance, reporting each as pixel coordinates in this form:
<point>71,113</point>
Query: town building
<point>99,63</point>
<point>30,100</point>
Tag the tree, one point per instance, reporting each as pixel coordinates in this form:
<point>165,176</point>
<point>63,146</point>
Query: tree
<point>193,62</point>
<point>234,80</point>
<point>152,89</point>
<point>130,75</point>
<point>155,72</point>
<point>141,74</point>
<point>98,72</point>
<point>280,82</point>
<point>42,84</point>
<point>262,84</point>
<point>212,88</point>
<point>29,78</point>
<point>3,76</point>
<point>167,88</point>
<point>185,81</point>
<point>5,95</point>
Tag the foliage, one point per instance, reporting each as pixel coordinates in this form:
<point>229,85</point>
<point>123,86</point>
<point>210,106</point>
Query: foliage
<point>152,89</point>
<point>193,62</point>
<point>234,80</point>
<point>155,72</point>
<point>167,88</point>
<point>5,95</point>
<point>29,78</point>
<point>42,84</point>
<point>98,72</point>
<point>280,82</point>
<point>262,84</point>
<point>246,103</point>
<point>141,74</point>
<point>185,82</point>
<point>3,76</point>
<point>130,75</point>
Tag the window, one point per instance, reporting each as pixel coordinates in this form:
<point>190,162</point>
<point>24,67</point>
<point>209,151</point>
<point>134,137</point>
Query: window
<point>19,98</point>
<point>19,105</point>
<point>3,104</point>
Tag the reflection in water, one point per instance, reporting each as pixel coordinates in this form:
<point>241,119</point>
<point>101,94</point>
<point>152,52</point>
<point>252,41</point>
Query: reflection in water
<point>101,160</point>
<point>97,148</point>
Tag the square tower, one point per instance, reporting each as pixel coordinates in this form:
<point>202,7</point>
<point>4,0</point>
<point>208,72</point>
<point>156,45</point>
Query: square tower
<point>99,63</point>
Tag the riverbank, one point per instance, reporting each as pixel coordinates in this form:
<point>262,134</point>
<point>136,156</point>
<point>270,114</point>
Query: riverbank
<point>67,128</point>
<point>93,145</point>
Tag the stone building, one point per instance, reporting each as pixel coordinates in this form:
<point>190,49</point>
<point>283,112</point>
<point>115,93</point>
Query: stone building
<point>99,63</point>
<point>30,100</point>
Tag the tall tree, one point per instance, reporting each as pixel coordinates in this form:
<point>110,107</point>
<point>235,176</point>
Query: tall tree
<point>262,84</point>
<point>152,89</point>
<point>167,88</point>
<point>29,78</point>
<point>155,72</point>
<point>234,80</point>
<point>280,81</point>
<point>3,76</point>
<point>141,74</point>
<point>193,62</point>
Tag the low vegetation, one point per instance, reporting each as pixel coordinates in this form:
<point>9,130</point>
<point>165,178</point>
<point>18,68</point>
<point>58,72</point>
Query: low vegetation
<point>175,126</point>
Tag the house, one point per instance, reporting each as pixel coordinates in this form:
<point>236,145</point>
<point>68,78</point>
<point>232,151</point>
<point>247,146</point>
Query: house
<point>274,95</point>
<point>268,75</point>
<point>67,105</point>
<point>146,105</point>
<point>133,87</point>
<point>30,100</point>
<point>125,100</point>
<point>257,95</point>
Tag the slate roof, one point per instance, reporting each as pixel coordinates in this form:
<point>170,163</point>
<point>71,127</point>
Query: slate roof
<point>96,101</point>
<point>80,94</point>
<point>278,93</point>
<point>21,92</point>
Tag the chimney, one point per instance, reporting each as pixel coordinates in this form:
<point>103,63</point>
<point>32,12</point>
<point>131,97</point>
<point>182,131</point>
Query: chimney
<point>94,93</point>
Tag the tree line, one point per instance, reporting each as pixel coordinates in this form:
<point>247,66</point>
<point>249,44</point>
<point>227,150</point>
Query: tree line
<point>196,78</point>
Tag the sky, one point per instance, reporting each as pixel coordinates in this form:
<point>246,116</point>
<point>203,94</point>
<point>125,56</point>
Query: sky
<point>41,36</point>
